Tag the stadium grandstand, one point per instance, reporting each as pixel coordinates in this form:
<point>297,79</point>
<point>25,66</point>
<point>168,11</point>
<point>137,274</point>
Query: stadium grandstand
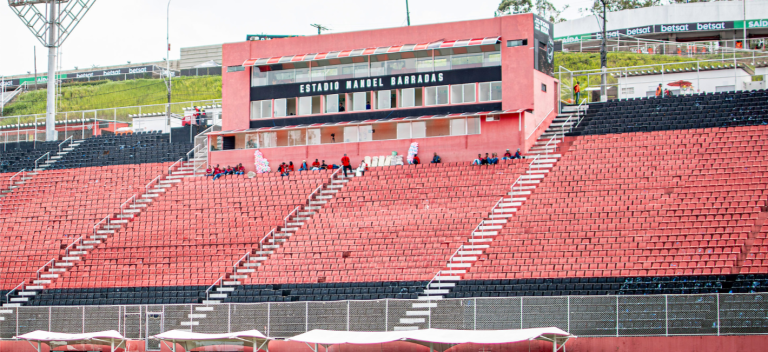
<point>461,192</point>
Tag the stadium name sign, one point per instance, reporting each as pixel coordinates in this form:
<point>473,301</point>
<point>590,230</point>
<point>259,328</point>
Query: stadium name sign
<point>411,80</point>
<point>395,81</point>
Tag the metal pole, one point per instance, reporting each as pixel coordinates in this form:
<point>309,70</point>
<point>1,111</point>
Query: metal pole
<point>666,315</point>
<point>744,8</point>
<point>408,13</point>
<point>603,58</point>
<point>50,116</point>
<point>718,314</point>
<point>167,58</point>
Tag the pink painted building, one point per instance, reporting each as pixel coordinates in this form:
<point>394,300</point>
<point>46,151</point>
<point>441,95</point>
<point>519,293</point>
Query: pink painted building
<point>457,89</point>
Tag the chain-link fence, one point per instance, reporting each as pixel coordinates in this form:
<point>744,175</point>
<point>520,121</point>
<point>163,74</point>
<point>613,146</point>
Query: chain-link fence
<point>592,316</point>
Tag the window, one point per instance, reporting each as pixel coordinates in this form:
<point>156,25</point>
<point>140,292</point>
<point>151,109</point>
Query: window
<point>259,78</point>
<point>473,125</point>
<point>313,136</point>
<point>398,67</point>
<point>491,59</point>
<point>318,74</point>
<point>361,70</point>
<point>463,93</point>
<point>261,109</point>
<point>466,61</point>
<point>404,130</point>
<point>378,69</point>
<point>309,105</point>
<point>268,139</point>
<point>285,107</point>
<point>490,91</point>
<point>407,99</point>
<point>418,129</point>
<point>296,137</point>
<point>458,127</point>
<point>425,64</point>
<point>350,134</point>
<point>518,42</point>
<point>332,103</point>
<point>360,101</point>
<point>436,95</point>
<point>302,75</point>
<point>366,133</point>
<point>251,141</point>
<point>543,87</point>
<point>282,77</point>
<point>385,99</point>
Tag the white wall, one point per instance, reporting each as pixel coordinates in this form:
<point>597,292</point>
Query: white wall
<point>702,82</point>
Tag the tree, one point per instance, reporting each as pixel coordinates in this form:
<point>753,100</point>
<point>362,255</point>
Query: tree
<point>543,8</point>
<point>618,5</point>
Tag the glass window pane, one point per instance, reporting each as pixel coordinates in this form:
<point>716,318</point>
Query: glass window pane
<point>431,96</point>
<point>280,108</point>
<point>302,75</point>
<point>466,61</point>
<point>358,101</point>
<point>313,136</point>
<point>269,139</point>
<point>332,103</point>
<point>404,130</point>
<point>256,110</point>
<point>361,69</point>
<point>259,78</point>
<point>485,91</point>
<point>469,93</point>
<point>457,127</point>
<point>457,94</point>
<point>378,68</point>
<point>296,137</point>
<point>305,106</point>
<point>366,133</point>
<point>282,77</point>
<point>496,91</point>
<point>473,125</point>
<point>384,99</point>
<point>419,129</point>
<point>442,63</point>
<point>492,59</point>
<point>350,134</point>
<point>442,95</point>
<point>407,98</point>
<point>251,141</point>
<point>266,108</point>
<point>318,74</point>
<point>424,64</point>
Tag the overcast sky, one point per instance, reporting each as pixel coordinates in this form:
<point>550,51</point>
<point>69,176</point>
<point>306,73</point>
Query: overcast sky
<point>115,32</point>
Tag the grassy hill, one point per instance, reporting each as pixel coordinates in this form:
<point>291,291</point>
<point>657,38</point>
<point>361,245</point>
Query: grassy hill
<point>111,94</point>
<point>591,61</point>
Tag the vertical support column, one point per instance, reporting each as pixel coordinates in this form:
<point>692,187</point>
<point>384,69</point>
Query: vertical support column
<point>474,315</point>
<point>666,315</point>
<point>347,315</point>
<point>569,314</point>
<point>83,330</point>
<point>617,316</point>
<point>49,318</point>
<point>306,316</point>
<point>718,310</point>
<point>521,312</point>
<point>386,315</point>
<point>269,311</point>
<point>50,114</point>
<point>229,318</point>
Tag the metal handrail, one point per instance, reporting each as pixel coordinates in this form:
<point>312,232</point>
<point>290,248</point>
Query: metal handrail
<point>146,188</point>
<point>70,138</point>
<point>170,168</point>
<point>47,154</point>
<point>37,273</point>
<point>10,180</point>
<point>270,233</point>
<point>7,295</point>
<point>285,219</point>
<point>95,227</point>
<point>208,290</point>
<point>66,250</point>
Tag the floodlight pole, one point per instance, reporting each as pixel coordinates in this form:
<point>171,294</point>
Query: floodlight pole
<point>50,113</point>
<point>603,59</point>
<point>168,59</point>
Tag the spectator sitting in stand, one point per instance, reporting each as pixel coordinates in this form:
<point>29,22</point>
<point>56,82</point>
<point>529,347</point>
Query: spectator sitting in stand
<point>416,160</point>
<point>517,154</point>
<point>316,165</point>
<point>436,159</point>
<point>230,170</point>
<point>283,169</point>
<point>362,168</point>
<point>290,167</point>
<point>484,161</point>
<point>304,166</point>
<point>324,166</point>
<point>494,160</point>
<point>209,171</point>
<point>507,156</point>
<point>478,161</point>
<point>218,173</point>
<point>239,169</point>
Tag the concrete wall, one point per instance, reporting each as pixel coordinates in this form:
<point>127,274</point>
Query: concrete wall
<point>191,57</point>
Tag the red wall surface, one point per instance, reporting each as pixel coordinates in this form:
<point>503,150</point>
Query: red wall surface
<point>750,343</point>
<point>495,137</point>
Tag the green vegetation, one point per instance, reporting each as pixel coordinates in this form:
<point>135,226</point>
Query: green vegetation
<point>591,61</point>
<point>111,94</point>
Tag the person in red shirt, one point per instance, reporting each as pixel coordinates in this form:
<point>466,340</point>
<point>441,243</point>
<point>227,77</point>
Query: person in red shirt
<point>209,171</point>
<point>315,165</point>
<point>283,170</point>
<point>290,167</point>
<point>416,160</point>
<point>239,169</point>
<point>346,165</point>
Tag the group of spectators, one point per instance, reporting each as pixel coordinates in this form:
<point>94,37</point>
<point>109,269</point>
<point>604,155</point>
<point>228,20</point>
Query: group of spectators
<point>493,159</point>
<point>217,172</point>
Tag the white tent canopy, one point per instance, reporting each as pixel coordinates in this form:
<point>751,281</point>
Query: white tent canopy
<point>192,340</point>
<point>435,338</point>
<point>110,338</point>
